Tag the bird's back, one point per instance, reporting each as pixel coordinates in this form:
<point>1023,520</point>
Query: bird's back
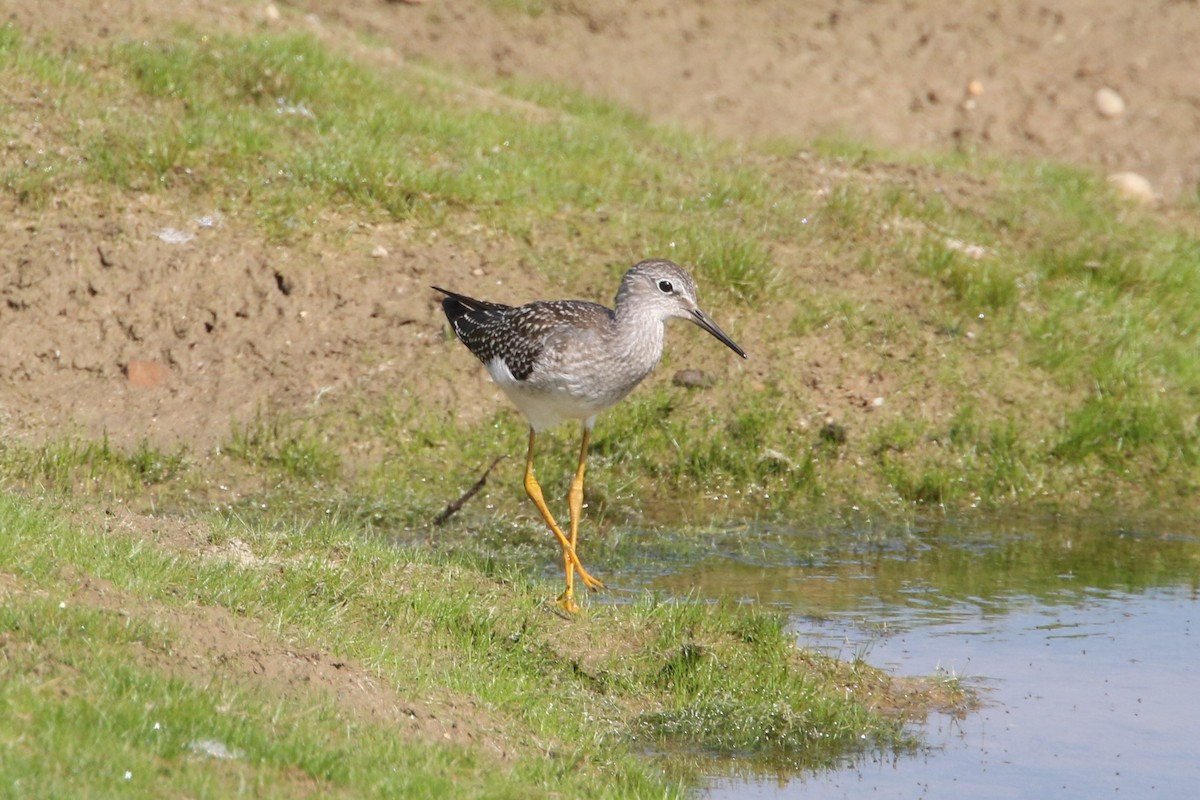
<point>523,336</point>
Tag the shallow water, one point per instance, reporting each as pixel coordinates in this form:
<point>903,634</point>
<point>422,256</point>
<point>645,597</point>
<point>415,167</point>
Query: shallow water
<point>1082,638</point>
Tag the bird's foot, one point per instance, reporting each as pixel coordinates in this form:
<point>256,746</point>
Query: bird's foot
<point>591,583</point>
<point>566,602</point>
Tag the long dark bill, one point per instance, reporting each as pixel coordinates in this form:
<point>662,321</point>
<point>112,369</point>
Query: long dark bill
<point>703,320</point>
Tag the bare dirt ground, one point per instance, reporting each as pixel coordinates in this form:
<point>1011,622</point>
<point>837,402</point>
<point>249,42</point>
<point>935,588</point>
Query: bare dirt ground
<point>109,329</point>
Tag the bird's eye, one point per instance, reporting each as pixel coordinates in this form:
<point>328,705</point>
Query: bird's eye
<point>665,287</point>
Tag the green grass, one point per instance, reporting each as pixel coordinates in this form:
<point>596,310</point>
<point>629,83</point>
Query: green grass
<point>121,729</point>
<point>85,681</point>
<point>117,728</point>
<point>287,447</point>
<point>90,467</point>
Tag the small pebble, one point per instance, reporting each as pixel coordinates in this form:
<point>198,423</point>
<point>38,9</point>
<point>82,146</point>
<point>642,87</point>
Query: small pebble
<point>174,236</point>
<point>692,379</point>
<point>146,374</point>
<point>1108,103</point>
<point>214,749</point>
<point>1133,186</point>
<point>974,251</point>
<point>379,252</point>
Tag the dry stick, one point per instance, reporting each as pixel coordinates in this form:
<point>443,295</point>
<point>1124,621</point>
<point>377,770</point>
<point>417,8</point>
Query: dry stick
<point>467,495</point>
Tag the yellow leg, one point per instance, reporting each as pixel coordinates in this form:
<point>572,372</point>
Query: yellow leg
<point>575,504</point>
<point>567,599</point>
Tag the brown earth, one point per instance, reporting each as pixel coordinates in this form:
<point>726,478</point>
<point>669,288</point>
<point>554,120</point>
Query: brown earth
<point>107,328</point>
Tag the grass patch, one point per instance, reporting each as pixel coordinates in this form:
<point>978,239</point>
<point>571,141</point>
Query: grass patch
<point>672,673</point>
<point>79,466</point>
<point>979,283</point>
<point>288,447</point>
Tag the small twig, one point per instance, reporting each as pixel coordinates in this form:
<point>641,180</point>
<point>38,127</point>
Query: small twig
<point>467,495</point>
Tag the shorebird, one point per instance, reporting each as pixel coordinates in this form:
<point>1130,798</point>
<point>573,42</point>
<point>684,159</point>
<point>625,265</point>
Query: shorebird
<point>571,359</point>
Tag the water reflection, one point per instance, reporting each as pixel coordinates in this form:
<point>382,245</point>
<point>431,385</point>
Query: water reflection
<point>1083,637</point>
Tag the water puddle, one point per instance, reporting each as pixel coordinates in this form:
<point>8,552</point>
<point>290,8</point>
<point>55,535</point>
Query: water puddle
<point>1082,638</point>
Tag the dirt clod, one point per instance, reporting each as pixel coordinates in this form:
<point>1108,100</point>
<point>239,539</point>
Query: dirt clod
<point>146,374</point>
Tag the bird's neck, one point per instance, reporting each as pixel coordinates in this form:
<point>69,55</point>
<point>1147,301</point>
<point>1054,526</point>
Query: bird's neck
<point>637,335</point>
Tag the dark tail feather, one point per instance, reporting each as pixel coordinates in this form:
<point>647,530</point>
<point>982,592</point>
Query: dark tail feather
<point>466,314</point>
<point>459,305</point>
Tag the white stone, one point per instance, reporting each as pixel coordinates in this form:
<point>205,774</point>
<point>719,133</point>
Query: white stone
<point>1109,103</point>
<point>1133,186</point>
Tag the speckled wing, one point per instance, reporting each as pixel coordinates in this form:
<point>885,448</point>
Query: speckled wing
<point>516,335</point>
<point>487,329</point>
